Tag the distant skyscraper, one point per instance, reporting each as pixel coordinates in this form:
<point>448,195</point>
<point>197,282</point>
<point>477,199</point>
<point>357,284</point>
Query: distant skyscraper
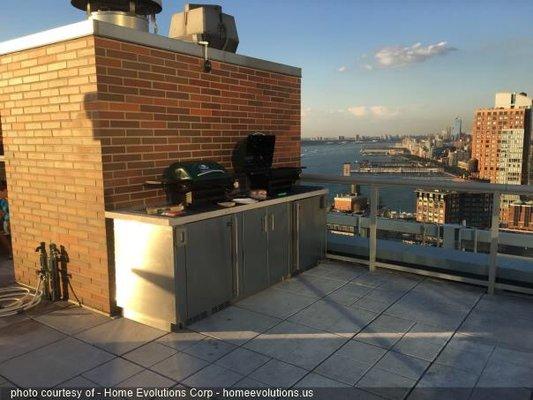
<point>510,121</point>
<point>457,126</point>
<point>501,139</point>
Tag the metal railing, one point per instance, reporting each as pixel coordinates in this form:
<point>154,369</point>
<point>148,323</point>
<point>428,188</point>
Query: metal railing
<point>377,182</point>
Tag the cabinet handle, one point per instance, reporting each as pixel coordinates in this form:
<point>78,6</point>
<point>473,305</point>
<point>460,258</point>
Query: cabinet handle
<point>272,222</point>
<point>264,226</point>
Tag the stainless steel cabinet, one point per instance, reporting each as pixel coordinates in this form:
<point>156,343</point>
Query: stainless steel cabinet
<point>264,250</point>
<point>209,261</point>
<point>279,241</point>
<point>310,221</point>
<point>253,251</point>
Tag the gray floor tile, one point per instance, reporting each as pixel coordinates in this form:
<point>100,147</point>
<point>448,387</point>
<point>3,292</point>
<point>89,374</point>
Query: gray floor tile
<point>343,368</point>
<point>371,279</point>
<point>348,294</point>
<point>6,321</point>
<point>77,382</point>
<point>150,354</point>
<point>384,331</point>
<point>297,344</point>
<point>120,336</point>
<point>506,375</point>
<point>421,307</point>
<point>278,374</point>
<point>46,307</point>
<point>313,380</point>
<point>25,336</point>
<point>502,330</point>
<point>386,384</point>
<point>374,305</point>
<point>501,393</point>
<point>72,320</point>
<point>235,325</point>
<point>53,364</point>
<point>423,341</point>
<point>523,358</point>
<point>179,366</point>
<point>507,305</point>
<point>213,376</point>
<point>5,384</point>
<point>311,286</point>
<point>401,364</point>
<point>362,352</point>
<point>445,292</point>
<point>350,362</point>
<point>112,372</point>
<point>242,360</point>
<point>385,294</point>
<point>210,349</point>
<point>334,270</point>
<point>276,303</point>
<point>462,352</point>
<point>334,317</point>
<point>147,379</point>
<point>181,339</point>
<point>442,376</point>
<point>250,383</point>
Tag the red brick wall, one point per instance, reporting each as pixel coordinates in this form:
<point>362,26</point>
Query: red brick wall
<point>87,121</point>
<point>159,106</point>
<point>53,163</point>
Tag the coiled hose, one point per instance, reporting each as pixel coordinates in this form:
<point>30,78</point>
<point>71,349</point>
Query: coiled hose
<point>17,299</point>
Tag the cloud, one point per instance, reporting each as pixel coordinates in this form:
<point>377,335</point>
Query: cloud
<point>373,111</point>
<point>398,56</point>
<point>344,68</point>
<point>358,111</point>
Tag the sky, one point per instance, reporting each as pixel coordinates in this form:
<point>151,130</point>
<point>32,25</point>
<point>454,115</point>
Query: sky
<point>368,67</point>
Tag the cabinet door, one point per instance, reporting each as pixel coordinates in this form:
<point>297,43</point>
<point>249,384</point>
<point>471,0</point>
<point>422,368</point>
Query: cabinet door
<point>279,242</point>
<point>254,251</point>
<point>311,232</point>
<point>209,265</point>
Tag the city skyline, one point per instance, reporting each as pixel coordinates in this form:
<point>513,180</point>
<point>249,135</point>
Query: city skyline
<point>388,68</point>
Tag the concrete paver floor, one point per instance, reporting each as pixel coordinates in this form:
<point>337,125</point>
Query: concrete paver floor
<point>389,335</point>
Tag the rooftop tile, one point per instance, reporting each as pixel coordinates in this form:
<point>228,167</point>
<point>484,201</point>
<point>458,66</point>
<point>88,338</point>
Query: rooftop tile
<point>120,336</point>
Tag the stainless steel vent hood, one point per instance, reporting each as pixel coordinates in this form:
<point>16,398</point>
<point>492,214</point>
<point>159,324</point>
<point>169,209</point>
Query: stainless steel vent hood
<point>132,14</point>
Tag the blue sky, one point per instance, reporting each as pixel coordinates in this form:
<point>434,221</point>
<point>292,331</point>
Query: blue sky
<point>369,67</point>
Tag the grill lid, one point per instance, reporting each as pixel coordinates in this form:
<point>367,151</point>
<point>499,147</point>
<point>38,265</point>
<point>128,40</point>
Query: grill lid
<point>255,153</point>
<point>195,171</point>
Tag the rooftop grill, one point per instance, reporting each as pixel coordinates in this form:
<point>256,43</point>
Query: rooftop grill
<point>253,158</point>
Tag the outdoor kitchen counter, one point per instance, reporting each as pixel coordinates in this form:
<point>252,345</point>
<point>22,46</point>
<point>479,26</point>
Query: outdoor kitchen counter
<point>189,216</point>
<point>170,272</point>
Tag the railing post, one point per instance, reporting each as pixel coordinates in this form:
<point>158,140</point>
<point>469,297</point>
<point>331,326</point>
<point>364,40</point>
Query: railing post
<point>374,198</point>
<point>494,230</point>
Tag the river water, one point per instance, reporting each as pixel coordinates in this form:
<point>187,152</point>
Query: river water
<point>328,159</point>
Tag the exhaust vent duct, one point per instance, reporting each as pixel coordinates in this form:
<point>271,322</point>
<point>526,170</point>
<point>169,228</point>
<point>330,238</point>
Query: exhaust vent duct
<point>205,23</point>
<point>132,14</point>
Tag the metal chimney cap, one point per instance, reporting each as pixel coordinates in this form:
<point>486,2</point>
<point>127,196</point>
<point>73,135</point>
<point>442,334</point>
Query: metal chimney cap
<point>144,7</point>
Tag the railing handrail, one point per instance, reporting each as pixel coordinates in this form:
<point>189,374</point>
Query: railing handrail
<point>431,184</point>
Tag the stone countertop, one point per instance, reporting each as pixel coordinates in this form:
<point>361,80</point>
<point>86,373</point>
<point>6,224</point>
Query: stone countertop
<point>189,216</point>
